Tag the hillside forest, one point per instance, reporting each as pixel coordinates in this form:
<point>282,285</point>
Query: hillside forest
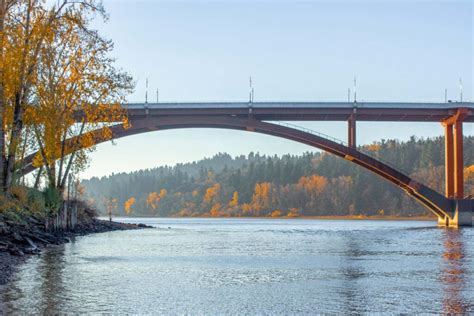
<point>312,184</point>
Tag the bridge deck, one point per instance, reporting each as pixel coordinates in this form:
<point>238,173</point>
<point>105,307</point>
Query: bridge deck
<point>309,111</point>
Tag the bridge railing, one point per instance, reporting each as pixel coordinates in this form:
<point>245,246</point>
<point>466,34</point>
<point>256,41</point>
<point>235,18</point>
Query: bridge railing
<point>361,149</point>
<point>310,131</point>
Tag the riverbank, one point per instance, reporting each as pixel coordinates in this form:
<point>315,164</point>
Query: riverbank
<point>18,241</point>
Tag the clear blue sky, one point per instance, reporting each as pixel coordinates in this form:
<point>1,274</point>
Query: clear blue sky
<point>294,50</point>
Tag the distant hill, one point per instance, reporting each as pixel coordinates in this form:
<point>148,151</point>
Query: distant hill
<point>257,185</point>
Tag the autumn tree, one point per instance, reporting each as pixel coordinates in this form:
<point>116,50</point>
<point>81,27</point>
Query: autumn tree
<point>211,193</point>
<point>211,199</point>
<point>233,205</point>
<point>261,199</point>
<point>78,90</point>
<point>127,206</point>
<point>469,180</point>
<point>154,198</point>
<point>27,26</point>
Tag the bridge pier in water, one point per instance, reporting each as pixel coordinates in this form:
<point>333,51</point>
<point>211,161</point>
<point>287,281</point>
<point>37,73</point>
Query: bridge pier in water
<point>462,215</point>
<point>454,172</point>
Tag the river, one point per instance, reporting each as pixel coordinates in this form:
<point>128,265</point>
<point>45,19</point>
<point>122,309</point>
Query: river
<point>248,266</point>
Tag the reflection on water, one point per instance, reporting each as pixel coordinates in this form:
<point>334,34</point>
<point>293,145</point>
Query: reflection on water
<point>453,274</point>
<point>248,266</point>
<point>51,273</point>
<point>353,272</point>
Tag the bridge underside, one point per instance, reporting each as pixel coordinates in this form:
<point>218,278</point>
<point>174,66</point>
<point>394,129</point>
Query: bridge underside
<point>450,211</point>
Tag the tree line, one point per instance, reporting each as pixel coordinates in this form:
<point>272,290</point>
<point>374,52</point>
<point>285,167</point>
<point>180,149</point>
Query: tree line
<point>312,184</point>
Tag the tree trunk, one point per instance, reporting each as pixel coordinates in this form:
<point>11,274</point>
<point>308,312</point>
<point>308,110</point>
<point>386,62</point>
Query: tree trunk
<point>38,177</point>
<point>15,138</point>
<point>2,97</point>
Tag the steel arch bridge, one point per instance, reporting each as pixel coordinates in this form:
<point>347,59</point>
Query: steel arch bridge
<point>144,118</point>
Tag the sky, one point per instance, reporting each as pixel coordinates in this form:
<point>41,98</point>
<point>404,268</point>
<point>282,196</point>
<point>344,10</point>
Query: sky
<point>295,51</point>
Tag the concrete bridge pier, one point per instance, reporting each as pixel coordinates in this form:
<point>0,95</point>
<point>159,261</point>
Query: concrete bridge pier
<point>462,215</point>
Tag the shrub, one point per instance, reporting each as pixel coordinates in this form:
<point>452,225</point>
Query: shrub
<point>276,213</point>
<point>20,193</point>
<point>36,203</point>
<point>12,209</point>
<point>52,199</point>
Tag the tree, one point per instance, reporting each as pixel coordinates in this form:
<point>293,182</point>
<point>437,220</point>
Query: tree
<point>211,193</point>
<point>469,180</point>
<point>261,197</point>
<point>233,204</point>
<point>154,198</point>
<point>27,26</point>
<point>77,90</point>
<point>127,206</point>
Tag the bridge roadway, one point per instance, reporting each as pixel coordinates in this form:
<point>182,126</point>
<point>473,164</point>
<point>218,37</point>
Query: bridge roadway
<point>310,111</point>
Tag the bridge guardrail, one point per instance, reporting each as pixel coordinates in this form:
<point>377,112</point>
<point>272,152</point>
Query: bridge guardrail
<point>341,142</point>
<point>310,131</point>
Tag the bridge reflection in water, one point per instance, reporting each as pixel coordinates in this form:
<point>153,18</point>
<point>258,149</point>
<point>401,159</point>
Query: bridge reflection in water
<point>454,274</point>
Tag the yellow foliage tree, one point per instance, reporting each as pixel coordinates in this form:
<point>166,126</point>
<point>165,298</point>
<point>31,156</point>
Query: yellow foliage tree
<point>128,205</point>
<point>215,210</point>
<point>211,193</point>
<point>154,198</point>
<point>312,184</point>
<point>276,213</point>
<point>469,180</point>
<point>373,147</point>
<point>261,199</point>
<point>234,202</point>
<point>78,90</point>
<point>28,28</point>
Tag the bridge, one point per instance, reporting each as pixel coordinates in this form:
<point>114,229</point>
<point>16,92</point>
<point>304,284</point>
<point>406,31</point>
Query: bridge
<point>452,208</point>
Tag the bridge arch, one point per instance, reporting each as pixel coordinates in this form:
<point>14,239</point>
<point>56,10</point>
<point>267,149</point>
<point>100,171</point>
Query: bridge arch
<point>434,201</point>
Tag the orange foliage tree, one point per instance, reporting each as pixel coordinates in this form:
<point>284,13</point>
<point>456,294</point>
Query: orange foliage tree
<point>154,198</point>
<point>261,199</point>
<point>469,180</point>
<point>77,90</point>
<point>127,206</point>
<point>211,199</point>
<point>43,41</point>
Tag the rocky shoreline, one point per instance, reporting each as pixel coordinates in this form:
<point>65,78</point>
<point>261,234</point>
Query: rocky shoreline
<point>19,241</point>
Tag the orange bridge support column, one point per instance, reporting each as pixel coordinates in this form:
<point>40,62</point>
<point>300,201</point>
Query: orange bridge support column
<point>454,172</point>
<point>449,160</point>
<point>352,131</point>
<point>458,161</point>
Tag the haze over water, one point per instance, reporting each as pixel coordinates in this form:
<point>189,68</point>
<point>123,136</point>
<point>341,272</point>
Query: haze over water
<point>214,266</point>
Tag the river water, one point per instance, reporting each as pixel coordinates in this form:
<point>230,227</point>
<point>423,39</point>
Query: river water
<point>248,266</point>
